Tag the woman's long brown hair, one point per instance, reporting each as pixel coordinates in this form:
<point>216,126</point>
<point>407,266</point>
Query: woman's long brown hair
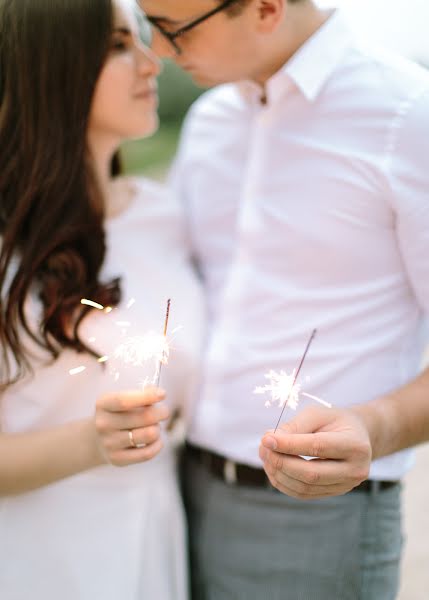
<point>51,212</point>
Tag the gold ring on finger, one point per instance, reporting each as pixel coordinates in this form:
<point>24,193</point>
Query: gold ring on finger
<point>133,443</point>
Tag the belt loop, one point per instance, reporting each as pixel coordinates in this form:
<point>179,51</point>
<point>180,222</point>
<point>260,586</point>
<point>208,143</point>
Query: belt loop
<point>230,472</point>
<point>375,487</point>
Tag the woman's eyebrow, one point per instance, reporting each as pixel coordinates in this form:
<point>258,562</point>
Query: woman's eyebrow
<point>123,30</point>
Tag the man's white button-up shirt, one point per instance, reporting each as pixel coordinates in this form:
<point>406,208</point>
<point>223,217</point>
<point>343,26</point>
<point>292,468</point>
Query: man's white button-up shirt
<point>311,211</point>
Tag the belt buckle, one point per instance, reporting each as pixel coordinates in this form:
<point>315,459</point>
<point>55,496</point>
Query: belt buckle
<point>230,472</point>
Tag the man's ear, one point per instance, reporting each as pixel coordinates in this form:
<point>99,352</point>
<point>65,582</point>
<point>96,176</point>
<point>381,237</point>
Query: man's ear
<point>270,14</point>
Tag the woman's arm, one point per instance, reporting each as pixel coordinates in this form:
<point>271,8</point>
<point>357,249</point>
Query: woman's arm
<point>35,459</point>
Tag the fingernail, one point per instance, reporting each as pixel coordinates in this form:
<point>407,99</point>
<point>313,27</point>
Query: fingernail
<point>160,393</point>
<point>263,453</point>
<point>270,442</point>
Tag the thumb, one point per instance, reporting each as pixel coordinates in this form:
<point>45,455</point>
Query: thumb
<point>297,436</point>
<point>310,420</point>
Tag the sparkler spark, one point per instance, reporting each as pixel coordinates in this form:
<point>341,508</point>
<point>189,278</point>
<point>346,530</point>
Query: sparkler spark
<point>160,363</point>
<point>137,350</point>
<point>284,389</point>
<point>123,324</point>
<point>77,370</point>
<point>91,303</point>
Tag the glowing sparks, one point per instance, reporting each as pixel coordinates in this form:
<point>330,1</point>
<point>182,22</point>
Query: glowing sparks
<point>134,351</point>
<point>92,304</point>
<point>284,390</point>
<point>77,370</point>
<point>137,350</point>
<point>319,400</point>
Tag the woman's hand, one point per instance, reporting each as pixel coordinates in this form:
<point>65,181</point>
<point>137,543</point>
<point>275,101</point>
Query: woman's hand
<point>127,426</point>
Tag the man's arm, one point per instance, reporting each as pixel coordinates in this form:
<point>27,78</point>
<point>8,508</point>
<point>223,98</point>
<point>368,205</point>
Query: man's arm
<point>350,439</point>
<point>347,440</point>
<point>398,420</point>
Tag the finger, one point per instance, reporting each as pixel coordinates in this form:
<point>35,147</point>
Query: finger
<point>119,440</point>
<point>131,456</point>
<point>129,400</point>
<point>323,444</point>
<point>321,472</point>
<point>300,489</point>
<point>301,469</point>
<point>326,472</point>
<point>142,436</point>
<point>146,417</point>
<point>107,422</point>
<point>310,420</point>
<point>309,493</point>
<point>303,476</point>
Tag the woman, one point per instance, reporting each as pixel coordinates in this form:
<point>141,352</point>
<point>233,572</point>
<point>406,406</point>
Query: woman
<point>75,81</point>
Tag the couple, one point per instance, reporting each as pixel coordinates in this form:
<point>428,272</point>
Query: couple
<point>303,194</point>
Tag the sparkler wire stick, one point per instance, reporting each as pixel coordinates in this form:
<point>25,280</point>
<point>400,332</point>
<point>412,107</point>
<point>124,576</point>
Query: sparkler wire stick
<point>310,341</point>
<point>167,316</point>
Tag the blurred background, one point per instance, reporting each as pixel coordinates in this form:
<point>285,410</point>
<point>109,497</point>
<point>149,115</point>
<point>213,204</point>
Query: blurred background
<point>402,26</point>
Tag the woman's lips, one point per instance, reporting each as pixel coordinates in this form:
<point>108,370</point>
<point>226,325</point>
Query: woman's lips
<point>146,94</point>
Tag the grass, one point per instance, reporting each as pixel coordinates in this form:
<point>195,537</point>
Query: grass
<point>152,156</point>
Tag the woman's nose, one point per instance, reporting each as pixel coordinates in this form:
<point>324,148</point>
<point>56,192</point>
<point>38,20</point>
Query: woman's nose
<point>148,62</point>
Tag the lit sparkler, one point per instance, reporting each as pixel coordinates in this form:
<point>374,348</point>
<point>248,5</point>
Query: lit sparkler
<point>284,388</point>
<point>139,350</point>
<point>135,351</point>
<point>164,358</point>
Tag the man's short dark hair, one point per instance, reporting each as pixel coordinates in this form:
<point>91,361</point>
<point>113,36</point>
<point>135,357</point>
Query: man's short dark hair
<point>237,7</point>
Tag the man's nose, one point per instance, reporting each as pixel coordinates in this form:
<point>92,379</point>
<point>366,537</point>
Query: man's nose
<point>149,63</point>
<point>161,46</point>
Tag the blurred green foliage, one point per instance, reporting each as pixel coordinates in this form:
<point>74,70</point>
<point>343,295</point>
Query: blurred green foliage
<point>152,156</point>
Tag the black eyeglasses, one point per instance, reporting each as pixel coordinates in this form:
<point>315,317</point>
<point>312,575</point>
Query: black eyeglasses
<point>173,35</point>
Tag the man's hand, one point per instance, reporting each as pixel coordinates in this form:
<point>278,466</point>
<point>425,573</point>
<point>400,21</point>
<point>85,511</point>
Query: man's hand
<point>338,438</point>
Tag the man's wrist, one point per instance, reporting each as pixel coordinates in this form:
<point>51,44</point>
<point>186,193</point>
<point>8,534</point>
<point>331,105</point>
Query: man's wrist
<point>376,418</point>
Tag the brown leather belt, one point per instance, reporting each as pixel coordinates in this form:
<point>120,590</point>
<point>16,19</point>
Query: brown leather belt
<point>238,474</point>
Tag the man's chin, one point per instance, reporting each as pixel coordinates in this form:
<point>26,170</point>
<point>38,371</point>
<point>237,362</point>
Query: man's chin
<point>203,80</point>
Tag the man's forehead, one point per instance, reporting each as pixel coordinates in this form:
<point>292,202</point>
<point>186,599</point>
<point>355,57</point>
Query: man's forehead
<point>174,10</point>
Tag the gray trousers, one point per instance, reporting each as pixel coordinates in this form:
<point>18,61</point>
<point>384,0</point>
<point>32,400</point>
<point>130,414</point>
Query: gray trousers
<point>256,543</point>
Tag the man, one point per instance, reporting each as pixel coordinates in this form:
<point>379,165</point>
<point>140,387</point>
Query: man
<point>306,186</point>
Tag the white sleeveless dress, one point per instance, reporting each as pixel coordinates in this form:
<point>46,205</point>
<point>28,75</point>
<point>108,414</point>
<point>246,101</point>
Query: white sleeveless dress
<point>109,533</point>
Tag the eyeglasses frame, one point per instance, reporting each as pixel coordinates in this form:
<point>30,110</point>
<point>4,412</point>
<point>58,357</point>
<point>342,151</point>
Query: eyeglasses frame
<point>173,35</point>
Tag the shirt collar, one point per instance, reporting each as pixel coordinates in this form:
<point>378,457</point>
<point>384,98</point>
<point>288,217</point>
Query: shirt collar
<point>312,64</point>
